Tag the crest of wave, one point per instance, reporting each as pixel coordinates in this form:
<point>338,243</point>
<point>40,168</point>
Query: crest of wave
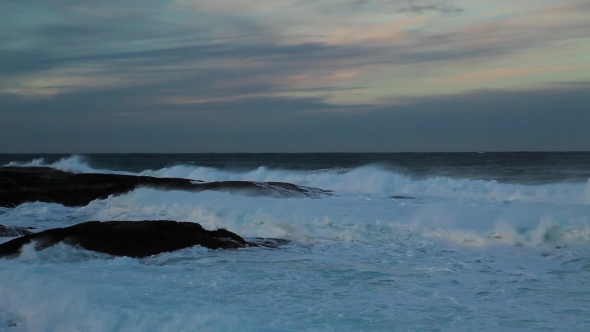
<point>377,180</point>
<point>73,164</point>
<point>370,179</point>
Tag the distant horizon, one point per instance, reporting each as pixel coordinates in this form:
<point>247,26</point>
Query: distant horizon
<point>344,152</point>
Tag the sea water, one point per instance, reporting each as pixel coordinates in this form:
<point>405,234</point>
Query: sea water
<point>407,242</point>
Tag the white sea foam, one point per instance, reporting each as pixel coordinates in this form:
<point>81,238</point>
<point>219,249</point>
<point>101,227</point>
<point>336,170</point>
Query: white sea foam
<point>386,257</point>
<point>346,218</point>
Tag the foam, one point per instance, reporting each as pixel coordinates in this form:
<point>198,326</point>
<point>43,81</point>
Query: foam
<point>373,219</point>
<point>545,234</point>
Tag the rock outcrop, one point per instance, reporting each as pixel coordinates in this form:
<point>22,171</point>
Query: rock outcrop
<point>14,231</point>
<point>134,238</point>
<point>20,185</point>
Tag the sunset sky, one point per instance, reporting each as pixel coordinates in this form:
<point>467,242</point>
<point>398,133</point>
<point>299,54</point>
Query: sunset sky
<point>294,75</point>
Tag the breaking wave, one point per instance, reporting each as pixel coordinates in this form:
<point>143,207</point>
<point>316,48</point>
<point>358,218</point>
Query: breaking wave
<point>370,179</point>
<point>74,164</point>
<point>353,219</point>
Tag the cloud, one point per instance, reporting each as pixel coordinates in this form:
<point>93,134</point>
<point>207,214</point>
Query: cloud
<point>176,59</point>
<point>504,73</point>
<point>444,9</point>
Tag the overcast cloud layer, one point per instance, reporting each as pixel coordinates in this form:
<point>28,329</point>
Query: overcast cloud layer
<point>294,75</point>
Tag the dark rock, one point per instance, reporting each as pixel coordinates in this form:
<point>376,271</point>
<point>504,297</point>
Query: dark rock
<point>14,231</point>
<point>402,197</point>
<point>9,184</point>
<point>134,238</point>
<point>8,320</point>
<point>268,242</point>
<point>19,185</point>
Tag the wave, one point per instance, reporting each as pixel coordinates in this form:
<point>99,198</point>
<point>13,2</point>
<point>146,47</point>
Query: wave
<point>73,164</point>
<point>370,179</point>
<point>545,234</point>
<point>375,221</point>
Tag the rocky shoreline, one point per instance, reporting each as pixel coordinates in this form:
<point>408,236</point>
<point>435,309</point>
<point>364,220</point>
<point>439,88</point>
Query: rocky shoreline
<point>20,185</point>
<point>135,239</point>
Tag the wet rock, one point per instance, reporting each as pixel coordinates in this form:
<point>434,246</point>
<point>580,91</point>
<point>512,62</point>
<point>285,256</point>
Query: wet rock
<point>8,183</point>
<point>134,238</point>
<point>401,197</point>
<point>8,320</point>
<point>268,242</point>
<point>14,231</point>
<point>19,185</point>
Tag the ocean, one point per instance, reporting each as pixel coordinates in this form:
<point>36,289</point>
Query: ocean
<point>407,242</point>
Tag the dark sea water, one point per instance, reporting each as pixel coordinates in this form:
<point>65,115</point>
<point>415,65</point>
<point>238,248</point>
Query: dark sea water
<point>408,242</point>
<point>511,167</point>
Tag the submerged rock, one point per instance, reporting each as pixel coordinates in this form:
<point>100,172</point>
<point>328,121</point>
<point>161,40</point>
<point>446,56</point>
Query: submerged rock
<point>14,231</point>
<point>134,238</point>
<point>20,185</point>
<point>402,197</point>
<point>8,320</point>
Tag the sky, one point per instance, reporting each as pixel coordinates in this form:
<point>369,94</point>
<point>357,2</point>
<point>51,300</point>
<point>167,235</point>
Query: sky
<point>294,75</point>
